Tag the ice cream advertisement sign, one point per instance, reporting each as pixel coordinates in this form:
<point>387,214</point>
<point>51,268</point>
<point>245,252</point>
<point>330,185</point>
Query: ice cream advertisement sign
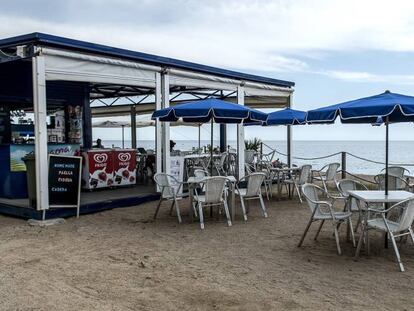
<point>17,152</point>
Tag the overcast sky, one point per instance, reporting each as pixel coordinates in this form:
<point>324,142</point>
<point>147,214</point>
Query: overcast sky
<point>332,50</point>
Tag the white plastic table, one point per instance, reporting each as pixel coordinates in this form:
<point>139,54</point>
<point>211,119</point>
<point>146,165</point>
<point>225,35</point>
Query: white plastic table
<point>378,196</point>
<point>192,181</point>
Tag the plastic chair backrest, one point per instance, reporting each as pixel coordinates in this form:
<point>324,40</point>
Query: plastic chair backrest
<point>310,191</point>
<point>407,217</point>
<point>346,185</point>
<point>164,183</point>
<point>214,189</point>
<point>200,173</point>
<point>393,182</point>
<point>249,156</point>
<point>304,175</point>
<point>223,158</point>
<point>254,184</point>
<point>398,171</point>
<point>331,171</point>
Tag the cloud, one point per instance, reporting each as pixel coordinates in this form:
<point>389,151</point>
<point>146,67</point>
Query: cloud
<point>248,35</point>
<point>366,77</point>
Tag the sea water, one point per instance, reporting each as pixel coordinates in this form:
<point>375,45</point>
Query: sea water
<point>400,152</point>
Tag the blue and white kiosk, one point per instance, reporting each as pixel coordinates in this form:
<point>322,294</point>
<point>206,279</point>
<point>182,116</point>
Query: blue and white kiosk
<point>45,74</point>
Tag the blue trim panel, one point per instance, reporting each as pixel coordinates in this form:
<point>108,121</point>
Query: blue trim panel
<point>30,213</point>
<point>61,42</point>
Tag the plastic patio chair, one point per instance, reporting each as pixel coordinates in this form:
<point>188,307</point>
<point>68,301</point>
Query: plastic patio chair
<point>326,174</point>
<point>221,164</point>
<point>299,179</point>
<point>396,171</point>
<point>214,195</point>
<point>249,157</point>
<point>253,191</point>
<point>324,211</point>
<point>394,182</point>
<point>351,203</point>
<point>169,187</point>
<point>395,229</point>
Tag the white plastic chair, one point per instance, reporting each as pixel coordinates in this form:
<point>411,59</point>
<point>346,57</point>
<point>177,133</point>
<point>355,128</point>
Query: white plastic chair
<point>214,195</point>
<point>249,157</point>
<point>326,174</point>
<point>220,165</point>
<point>396,171</point>
<point>395,229</point>
<point>394,182</point>
<point>351,203</point>
<point>252,191</point>
<point>169,188</point>
<point>299,180</point>
<point>324,211</point>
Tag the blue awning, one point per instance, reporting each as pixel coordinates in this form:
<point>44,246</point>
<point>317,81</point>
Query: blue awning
<point>203,111</point>
<point>398,108</point>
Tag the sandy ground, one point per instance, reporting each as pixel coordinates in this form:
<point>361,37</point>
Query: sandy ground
<point>122,260</point>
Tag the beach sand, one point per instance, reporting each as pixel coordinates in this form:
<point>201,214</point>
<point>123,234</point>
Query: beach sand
<point>122,260</point>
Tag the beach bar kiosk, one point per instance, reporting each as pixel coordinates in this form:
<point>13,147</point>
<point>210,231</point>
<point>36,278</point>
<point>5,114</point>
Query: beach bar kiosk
<point>51,88</point>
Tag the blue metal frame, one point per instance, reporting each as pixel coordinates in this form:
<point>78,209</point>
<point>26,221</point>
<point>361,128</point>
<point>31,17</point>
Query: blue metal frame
<point>42,39</point>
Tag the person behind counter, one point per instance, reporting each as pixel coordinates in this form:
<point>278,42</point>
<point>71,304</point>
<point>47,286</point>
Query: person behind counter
<point>98,144</point>
<point>172,145</point>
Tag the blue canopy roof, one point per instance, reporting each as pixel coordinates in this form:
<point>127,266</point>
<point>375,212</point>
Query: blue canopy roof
<point>203,110</point>
<point>43,39</point>
<point>398,108</point>
<point>286,117</point>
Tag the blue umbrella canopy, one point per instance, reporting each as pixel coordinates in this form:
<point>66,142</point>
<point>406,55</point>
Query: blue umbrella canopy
<point>382,108</point>
<point>373,109</point>
<point>203,111</point>
<point>286,117</point>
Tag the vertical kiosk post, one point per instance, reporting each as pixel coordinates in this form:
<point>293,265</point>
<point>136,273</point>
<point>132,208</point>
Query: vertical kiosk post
<point>158,129</point>
<point>289,137</point>
<point>133,127</point>
<point>165,82</point>
<point>40,113</point>
<point>240,136</point>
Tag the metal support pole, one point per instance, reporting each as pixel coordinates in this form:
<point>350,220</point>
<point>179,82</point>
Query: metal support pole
<point>386,154</point>
<point>199,138</point>
<point>41,152</point>
<point>289,136</point>
<point>87,119</point>
<point>165,89</point>
<point>240,136</point>
<point>223,137</point>
<point>158,129</point>
<point>386,169</point>
<point>343,164</point>
<point>211,147</point>
<point>133,128</point>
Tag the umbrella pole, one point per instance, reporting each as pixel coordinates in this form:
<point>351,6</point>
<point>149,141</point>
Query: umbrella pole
<point>211,149</point>
<point>199,138</point>
<point>386,154</point>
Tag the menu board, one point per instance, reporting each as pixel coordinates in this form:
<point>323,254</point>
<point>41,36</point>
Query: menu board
<point>177,170</point>
<point>64,181</point>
